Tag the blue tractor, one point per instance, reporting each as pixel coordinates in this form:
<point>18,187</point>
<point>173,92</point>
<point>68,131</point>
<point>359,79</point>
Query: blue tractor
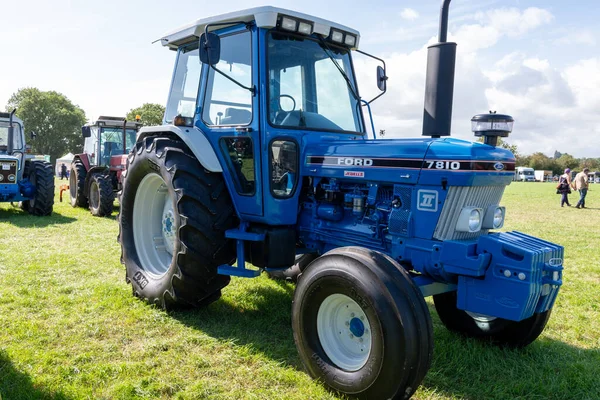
<point>27,181</point>
<point>265,157</point>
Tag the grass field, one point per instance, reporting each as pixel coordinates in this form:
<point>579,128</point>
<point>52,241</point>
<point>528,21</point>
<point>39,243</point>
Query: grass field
<point>70,328</point>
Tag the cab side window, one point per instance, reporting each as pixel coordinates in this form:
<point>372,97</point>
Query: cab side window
<point>227,103</point>
<point>284,168</point>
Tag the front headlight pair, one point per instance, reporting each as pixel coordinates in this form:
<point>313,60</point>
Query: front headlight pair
<point>473,219</point>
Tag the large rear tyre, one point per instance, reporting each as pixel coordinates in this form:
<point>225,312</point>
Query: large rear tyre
<point>497,330</point>
<point>361,325</point>
<point>77,184</point>
<point>173,219</point>
<point>101,196</point>
<point>41,175</point>
<point>292,273</point>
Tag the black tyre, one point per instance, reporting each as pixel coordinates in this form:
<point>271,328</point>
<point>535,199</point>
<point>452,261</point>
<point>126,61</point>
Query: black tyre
<point>77,184</point>
<point>41,175</point>
<point>173,219</point>
<point>101,196</point>
<point>292,273</point>
<point>361,325</point>
<point>497,330</point>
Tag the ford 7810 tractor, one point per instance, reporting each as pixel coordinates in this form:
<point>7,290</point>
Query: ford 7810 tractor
<point>95,174</point>
<point>265,155</point>
<point>29,182</point>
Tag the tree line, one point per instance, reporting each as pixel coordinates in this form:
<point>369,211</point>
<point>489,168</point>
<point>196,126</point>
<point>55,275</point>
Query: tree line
<point>57,121</point>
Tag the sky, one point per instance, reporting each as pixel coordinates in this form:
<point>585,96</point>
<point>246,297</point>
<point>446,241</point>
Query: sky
<point>538,61</point>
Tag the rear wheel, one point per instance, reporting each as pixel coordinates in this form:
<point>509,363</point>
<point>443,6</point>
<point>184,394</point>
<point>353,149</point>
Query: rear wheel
<point>292,273</point>
<point>173,219</point>
<point>361,325</point>
<point>497,330</point>
<point>77,184</point>
<point>101,196</point>
<point>41,175</point>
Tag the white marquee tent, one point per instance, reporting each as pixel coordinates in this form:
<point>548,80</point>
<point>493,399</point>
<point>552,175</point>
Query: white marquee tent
<point>66,159</point>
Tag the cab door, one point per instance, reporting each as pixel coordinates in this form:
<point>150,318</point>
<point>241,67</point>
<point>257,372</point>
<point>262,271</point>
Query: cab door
<point>229,114</point>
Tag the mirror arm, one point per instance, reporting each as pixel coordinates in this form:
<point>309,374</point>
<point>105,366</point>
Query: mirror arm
<point>384,73</point>
<point>251,89</point>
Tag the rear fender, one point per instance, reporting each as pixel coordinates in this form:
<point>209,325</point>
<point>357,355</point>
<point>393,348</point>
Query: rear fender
<point>84,158</point>
<point>193,137</point>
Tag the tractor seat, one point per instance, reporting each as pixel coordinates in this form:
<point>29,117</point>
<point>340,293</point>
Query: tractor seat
<point>236,116</point>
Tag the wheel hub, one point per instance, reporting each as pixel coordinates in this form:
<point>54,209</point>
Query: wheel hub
<point>344,332</point>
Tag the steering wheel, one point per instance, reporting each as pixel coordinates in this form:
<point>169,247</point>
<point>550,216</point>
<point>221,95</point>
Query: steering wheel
<point>289,97</point>
<point>282,114</point>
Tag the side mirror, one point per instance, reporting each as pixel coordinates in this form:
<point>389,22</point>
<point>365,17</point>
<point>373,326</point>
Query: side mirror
<point>210,48</point>
<point>33,135</point>
<point>381,79</point>
<point>86,131</point>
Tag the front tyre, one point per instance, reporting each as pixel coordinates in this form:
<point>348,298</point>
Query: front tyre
<point>101,196</point>
<point>41,175</point>
<point>361,325</point>
<point>173,219</point>
<point>77,184</point>
<point>497,330</point>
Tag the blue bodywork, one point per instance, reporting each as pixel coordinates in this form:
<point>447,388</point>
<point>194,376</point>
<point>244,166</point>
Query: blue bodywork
<point>21,189</point>
<point>399,197</point>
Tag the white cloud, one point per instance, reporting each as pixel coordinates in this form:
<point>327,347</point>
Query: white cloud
<point>578,37</point>
<point>409,14</point>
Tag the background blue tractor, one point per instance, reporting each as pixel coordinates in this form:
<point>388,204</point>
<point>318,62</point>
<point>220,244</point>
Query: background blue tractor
<point>27,181</point>
<point>265,158</point>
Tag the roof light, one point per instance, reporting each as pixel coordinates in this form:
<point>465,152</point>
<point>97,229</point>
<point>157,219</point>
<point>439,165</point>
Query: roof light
<point>305,28</point>
<point>289,24</point>
<point>337,36</point>
<point>350,40</point>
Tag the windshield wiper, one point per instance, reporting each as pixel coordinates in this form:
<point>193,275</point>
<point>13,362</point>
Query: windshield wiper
<point>328,50</point>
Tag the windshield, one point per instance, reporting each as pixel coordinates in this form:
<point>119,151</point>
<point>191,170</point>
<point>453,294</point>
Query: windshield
<point>528,173</point>
<point>17,143</point>
<point>111,142</point>
<point>306,89</point>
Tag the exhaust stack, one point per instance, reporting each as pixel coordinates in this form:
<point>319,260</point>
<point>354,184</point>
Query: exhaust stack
<point>439,82</point>
<point>11,132</point>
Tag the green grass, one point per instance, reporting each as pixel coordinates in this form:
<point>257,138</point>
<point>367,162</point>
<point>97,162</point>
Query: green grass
<point>70,328</point>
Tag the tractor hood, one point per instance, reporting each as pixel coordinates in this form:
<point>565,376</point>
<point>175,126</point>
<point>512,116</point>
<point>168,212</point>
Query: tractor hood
<point>411,161</point>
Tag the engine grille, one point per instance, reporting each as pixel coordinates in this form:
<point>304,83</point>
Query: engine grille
<point>8,171</point>
<point>465,196</point>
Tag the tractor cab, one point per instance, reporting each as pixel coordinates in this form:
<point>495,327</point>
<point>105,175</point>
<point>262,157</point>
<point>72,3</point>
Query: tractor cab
<point>108,137</point>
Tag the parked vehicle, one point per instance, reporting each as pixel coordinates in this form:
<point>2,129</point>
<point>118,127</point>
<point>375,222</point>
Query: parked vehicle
<point>23,179</point>
<point>265,155</point>
<point>524,174</point>
<point>95,175</point>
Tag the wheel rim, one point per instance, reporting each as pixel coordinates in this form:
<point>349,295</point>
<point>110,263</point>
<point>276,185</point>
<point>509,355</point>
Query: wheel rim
<point>344,332</point>
<point>94,195</point>
<point>481,318</point>
<point>73,185</point>
<point>33,182</point>
<point>154,225</point>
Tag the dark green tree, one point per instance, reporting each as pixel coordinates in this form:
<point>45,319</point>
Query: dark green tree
<point>567,161</point>
<point>55,119</point>
<point>150,113</point>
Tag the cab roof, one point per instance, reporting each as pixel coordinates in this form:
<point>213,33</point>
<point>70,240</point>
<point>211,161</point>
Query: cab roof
<point>4,117</point>
<point>114,122</point>
<point>264,17</point>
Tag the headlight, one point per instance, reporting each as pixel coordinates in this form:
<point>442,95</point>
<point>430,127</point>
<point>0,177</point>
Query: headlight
<point>469,220</point>
<point>494,217</point>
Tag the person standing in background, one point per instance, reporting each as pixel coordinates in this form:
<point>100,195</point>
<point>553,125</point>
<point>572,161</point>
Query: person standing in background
<point>564,187</point>
<point>581,184</point>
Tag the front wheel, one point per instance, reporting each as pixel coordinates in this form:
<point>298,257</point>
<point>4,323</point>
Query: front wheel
<point>41,175</point>
<point>101,197</point>
<point>361,326</point>
<point>77,184</point>
<point>497,330</point>
<point>173,219</point>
